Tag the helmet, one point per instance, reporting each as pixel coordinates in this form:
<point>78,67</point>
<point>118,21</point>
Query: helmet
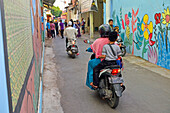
<point>104,30</point>
<point>116,28</point>
<point>70,23</point>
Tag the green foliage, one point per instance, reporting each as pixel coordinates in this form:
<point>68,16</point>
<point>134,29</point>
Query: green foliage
<point>131,39</point>
<point>122,36</point>
<point>144,47</point>
<point>129,15</point>
<point>56,11</point>
<point>118,23</point>
<point>168,28</point>
<point>114,18</point>
<point>121,13</point>
<point>160,29</point>
<point>129,42</point>
<point>139,34</point>
<point>138,19</point>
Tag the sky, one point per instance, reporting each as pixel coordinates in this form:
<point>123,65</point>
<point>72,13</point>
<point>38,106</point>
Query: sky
<point>61,4</point>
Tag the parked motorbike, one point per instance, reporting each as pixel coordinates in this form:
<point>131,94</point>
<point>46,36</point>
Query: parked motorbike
<point>72,49</point>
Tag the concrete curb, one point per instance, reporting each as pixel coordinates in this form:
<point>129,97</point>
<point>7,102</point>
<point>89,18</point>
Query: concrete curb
<point>147,65</point>
<point>41,80</point>
<point>51,94</point>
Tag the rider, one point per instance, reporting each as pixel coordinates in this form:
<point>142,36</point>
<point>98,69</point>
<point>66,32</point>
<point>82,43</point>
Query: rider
<point>111,24</point>
<point>96,48</point>
<point>70,33</point>
<point>119,39</point>
<point>110,56</point>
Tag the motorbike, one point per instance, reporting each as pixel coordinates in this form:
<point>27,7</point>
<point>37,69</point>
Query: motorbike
<point>120,42</point>
<point>122,47</point>
<point>72,49</point>
<point>110,83</point>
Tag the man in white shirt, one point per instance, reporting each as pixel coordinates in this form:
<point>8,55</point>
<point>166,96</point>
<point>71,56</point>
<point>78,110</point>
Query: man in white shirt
<point>70,33</point>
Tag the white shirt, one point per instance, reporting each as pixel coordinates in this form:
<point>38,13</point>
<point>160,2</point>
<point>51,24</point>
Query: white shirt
<point>70,33</point>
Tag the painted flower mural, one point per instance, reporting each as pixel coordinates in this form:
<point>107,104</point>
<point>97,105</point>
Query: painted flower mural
<point>157,18</point>
<point>127,19</point>
<point>127,28</point>
<point>166,17</point>
<point>152,55</point>
<point>146,27</point>
<point>166,21</point>
<point>146,36</point>
<point>151,43</point>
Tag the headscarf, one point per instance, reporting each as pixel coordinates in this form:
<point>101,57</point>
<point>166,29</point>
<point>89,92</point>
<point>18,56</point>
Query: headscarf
<point>98,44</point>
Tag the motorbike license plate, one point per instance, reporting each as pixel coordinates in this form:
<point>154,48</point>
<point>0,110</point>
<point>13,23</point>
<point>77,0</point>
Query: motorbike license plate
<point>116,80</point>
<point>73,51</point>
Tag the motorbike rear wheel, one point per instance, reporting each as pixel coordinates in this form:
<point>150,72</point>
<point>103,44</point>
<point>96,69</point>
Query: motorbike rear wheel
<point>123,51</point>
<point>73,55</point>
<point>114,101</point>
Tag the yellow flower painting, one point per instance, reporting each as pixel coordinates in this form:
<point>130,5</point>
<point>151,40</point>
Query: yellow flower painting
<point>166,17</point>
<point>146,27</point>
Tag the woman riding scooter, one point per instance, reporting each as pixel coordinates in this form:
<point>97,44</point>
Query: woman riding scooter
<point>96,48</point>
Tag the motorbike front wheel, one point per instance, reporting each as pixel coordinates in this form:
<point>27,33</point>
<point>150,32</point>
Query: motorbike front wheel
<point>114,101</point>
<point>123,51</point>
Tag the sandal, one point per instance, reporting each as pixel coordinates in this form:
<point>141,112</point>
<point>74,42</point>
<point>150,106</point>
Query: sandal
<point>95,87</point>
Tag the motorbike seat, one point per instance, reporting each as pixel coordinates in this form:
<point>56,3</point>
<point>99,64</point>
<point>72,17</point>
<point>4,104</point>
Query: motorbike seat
<point>112,67</point>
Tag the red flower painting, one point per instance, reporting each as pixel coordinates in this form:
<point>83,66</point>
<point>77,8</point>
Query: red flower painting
<point>158,18</point>
<point>126,20</point>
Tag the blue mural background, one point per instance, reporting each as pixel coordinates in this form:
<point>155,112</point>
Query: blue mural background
<point>145,28</point>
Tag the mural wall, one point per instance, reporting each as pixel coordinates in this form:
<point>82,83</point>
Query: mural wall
<point>24,46</point>
<point>3,84</point>
<point>145,28</point>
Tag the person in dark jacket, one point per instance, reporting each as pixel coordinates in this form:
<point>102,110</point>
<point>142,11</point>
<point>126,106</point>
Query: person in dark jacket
<point>56,27</point>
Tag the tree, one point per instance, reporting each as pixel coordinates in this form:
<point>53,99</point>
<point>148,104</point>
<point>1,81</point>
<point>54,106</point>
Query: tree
<point>56,11</point>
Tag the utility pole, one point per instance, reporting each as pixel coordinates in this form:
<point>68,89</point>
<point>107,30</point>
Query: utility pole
<point>107,10</point>
<point>91,25</point>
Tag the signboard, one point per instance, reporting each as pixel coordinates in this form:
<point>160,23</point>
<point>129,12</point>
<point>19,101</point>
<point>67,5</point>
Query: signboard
<point>88,5</point>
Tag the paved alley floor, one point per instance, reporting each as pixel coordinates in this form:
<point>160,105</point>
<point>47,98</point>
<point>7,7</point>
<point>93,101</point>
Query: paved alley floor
<point>146,91</point>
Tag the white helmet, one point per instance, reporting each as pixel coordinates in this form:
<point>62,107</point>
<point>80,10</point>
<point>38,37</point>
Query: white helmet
<point>70,23</point>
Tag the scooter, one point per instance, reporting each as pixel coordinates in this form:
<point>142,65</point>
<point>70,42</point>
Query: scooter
<point>110,82</point>
<point>120,42</point>
<point>111,85</point>
<point>72,49</point>
<point>122,47</point>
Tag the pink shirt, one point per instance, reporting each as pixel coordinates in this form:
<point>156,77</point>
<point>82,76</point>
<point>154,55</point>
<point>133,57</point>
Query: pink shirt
<point>52,26</point>
<point>98,44</point>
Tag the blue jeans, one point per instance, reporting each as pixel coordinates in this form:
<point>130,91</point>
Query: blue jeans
<point>91,65</point>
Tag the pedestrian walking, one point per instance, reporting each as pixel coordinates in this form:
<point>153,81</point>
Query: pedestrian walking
<point>61,29</point>
<point>48,29</point>
<point>65,23</point>
<point>56,27</point>
<point>88,25</point>
<point>78,28</point>
<point>83,25</point>
<point>52,27</point>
